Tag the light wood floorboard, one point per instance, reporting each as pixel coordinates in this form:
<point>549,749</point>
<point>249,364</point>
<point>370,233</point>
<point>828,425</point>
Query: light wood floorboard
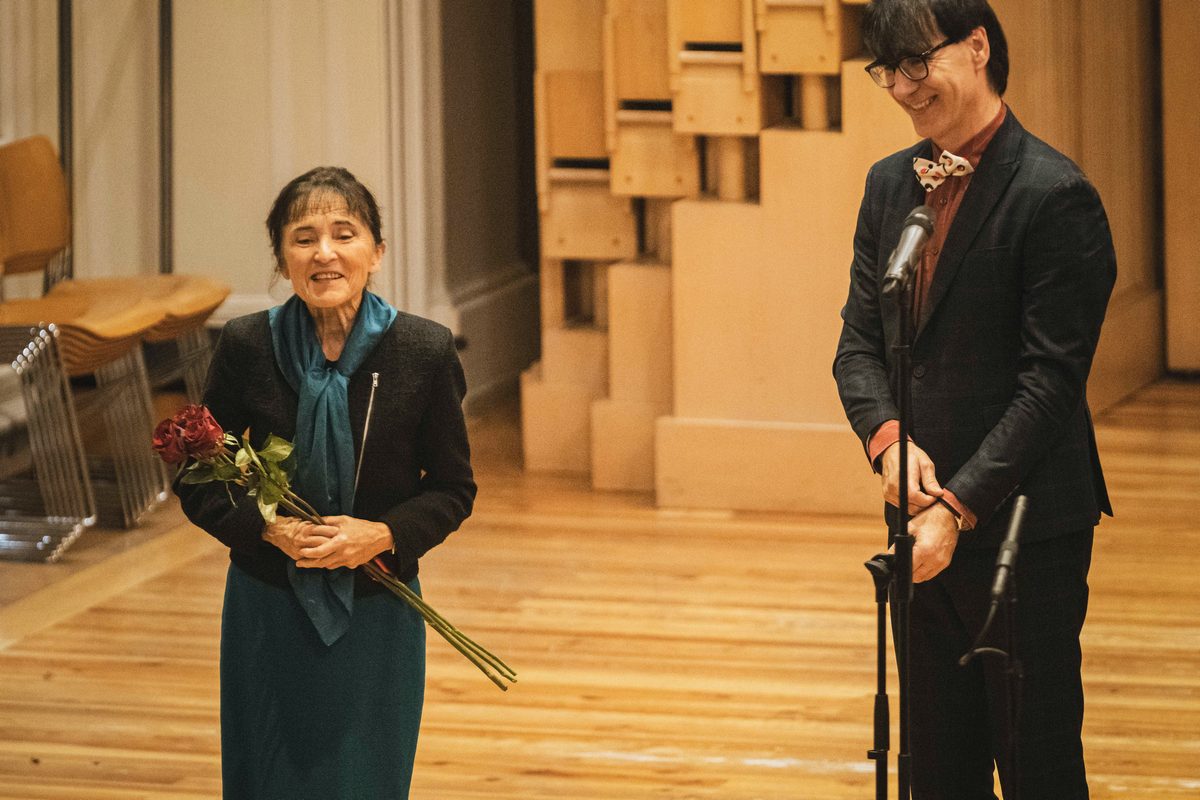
<point>663,654</point>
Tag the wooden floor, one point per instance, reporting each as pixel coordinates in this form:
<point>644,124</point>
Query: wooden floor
<point>662,654</point>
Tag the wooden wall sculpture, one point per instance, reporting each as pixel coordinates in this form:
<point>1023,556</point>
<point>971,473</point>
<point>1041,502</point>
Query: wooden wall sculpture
<point>700,167</point>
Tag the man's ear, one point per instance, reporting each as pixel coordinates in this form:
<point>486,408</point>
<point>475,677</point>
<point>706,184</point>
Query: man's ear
<point>981,48</point>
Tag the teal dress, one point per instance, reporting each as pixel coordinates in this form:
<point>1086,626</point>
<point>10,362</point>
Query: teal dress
<point>296,723</point>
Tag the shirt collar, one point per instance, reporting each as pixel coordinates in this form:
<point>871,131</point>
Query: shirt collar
<point>972,149</point>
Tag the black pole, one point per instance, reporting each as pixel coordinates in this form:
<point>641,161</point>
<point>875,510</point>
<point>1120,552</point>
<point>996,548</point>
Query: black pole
<point>66,110</point>
<point>166,73</point>
<point>880,568</point>
<point>1014,677</point>
<point>903,540</point>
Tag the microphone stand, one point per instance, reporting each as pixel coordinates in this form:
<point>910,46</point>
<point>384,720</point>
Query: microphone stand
<point>898,284</point>
<point>880,568</point>
<point>902,589</point>
<point>1006,587</point>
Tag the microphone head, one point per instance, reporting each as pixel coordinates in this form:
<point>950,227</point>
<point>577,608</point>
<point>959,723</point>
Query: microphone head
<point>923,216</point>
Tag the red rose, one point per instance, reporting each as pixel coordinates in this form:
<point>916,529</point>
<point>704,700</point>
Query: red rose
<point>191,433</point>
<point>199,434</point>
<point>166,442</point>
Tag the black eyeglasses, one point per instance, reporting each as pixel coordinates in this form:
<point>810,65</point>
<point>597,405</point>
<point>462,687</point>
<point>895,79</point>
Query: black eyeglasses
<point>915,68</point>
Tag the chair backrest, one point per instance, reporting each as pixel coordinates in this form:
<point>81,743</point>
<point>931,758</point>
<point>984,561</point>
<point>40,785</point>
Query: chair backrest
<point>35,222</point>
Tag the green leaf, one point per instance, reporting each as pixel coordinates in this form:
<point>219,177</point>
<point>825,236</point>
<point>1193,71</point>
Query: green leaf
<point>230,439</point>
<point>241,458</point>
<point>269,492</point>
<point>278,476</point>
<point>198,473</point>
<point>267,509</point>
<point>275,449</point>
<point>224,471</point>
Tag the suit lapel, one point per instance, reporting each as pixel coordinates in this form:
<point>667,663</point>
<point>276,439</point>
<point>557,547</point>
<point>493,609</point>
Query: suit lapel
<point>996,169</point>
<point>906,195</point>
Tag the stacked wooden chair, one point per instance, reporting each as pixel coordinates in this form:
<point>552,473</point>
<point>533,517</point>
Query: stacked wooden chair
<point>98,328</point>
<point>41,517</point>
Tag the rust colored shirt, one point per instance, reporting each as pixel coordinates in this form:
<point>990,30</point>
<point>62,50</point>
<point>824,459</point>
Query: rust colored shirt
<point>945,201</point>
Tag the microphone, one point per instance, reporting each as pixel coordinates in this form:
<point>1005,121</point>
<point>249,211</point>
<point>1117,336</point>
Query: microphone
<point>1006,561</point>
<point>918,227</point>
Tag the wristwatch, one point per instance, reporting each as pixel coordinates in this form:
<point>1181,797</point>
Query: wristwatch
<point>960,522</point>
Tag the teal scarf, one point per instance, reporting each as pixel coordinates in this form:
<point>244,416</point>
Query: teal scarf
<point>324,447</point>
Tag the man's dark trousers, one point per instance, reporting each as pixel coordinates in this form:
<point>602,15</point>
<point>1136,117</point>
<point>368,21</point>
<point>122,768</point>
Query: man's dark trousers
<point>958,729</point>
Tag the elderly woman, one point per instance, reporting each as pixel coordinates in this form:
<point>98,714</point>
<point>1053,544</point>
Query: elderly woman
<point>323,670</point>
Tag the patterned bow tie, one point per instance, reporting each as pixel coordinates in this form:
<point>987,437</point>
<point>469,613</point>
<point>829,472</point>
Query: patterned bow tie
<point>931,174</point>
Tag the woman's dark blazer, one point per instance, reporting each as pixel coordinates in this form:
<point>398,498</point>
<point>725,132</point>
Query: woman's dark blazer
<point>416,472</point>
<point>1006,338</point>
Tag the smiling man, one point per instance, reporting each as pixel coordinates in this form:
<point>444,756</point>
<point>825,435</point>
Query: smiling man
<point>1007,301</point>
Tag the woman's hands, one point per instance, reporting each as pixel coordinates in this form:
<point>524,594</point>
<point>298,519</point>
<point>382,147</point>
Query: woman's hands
<point>341,542</point>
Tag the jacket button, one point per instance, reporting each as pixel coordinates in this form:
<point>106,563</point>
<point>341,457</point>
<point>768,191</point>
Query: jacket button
<point>919,371</point>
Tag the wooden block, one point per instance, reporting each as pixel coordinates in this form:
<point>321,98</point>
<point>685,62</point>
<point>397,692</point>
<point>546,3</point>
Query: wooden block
<point>600,296</point>
<point>555,425</point>
<point>553,295</point>
<point>569,34</point>
<point>658,230</point>
<point>806,38</point>
<point>574,115</point>
<point>707,22</point>
<point>638,54</point>
<point>651,160</point>
<point>623,445</point>
<point>639,333</point>
<point>764,466</point>
<point>585,296</point>
<point>583,220</point>
<point>712,96</point>
<point>578,357</point>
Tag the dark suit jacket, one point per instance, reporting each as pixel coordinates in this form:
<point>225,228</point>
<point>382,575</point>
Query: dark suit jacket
<point>416,472</point>
<point>1005,342</point>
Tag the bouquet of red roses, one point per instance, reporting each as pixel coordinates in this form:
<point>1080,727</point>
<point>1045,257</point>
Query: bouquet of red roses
<point>194,435</point>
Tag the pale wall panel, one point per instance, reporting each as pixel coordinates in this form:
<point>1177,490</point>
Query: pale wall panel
<point>223,180</point>
<point>116,138</point>
<point>1044,74</point>
<point>264,91</point>
<point>28,90</point>
<point>1181,157</point>
<point>1119,134</point>
<point>1082,78</point>
<point>28,69</point>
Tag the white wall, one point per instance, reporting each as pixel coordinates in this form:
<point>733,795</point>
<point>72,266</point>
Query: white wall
<point>28,89</point>
<point>264,91</point>
<point>28,69</point>
<point>115,123</point>
<point>116,200</point>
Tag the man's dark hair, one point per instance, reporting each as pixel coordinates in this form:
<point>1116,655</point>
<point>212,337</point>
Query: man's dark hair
<point>318,189</point>
<point>896,29</point>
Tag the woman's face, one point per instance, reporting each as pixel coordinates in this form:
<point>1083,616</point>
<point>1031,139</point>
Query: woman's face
<point>328,255</point>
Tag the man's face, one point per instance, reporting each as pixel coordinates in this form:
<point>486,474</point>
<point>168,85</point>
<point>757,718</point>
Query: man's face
<point>952,103</point>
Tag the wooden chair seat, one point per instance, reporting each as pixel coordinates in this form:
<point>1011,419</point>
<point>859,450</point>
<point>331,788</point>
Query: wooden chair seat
<point>187,301</point>
<point>101,317</point>
<point>94,331</point>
